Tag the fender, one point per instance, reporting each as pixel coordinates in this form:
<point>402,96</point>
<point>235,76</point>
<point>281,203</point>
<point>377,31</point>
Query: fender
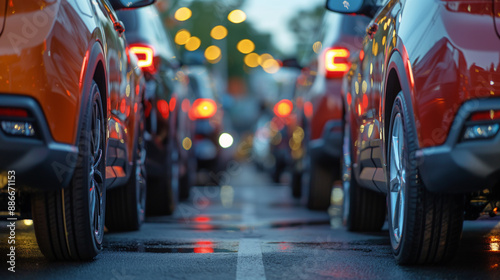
<point>95,54</point>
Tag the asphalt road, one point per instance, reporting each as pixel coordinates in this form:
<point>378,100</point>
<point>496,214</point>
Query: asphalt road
<point>251,229</point>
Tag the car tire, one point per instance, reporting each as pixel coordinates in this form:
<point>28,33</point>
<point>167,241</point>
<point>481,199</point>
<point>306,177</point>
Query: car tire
<point>126,204</point>
<point>186,180</point>
<point>296,184</point>
<point>318,179</point>
<point>162,195</point>
<point>69,223</point>
<point>424,227</point>
<point>363,210</point>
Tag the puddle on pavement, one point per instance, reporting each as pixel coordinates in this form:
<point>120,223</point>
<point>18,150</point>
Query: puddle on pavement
<point>198,247</point>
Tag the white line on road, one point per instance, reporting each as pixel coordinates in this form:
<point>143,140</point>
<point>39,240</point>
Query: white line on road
<point>250,264</point>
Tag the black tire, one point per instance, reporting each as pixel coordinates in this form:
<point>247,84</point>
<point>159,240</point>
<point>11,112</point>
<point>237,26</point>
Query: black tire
<point>318,182</point>
<point>162,195</point>
<point>296,184</point>
<point>126,204</point>
<point>186,180</point>
<point>69,223</point>
<point>363,210</point>
<point>432,223</point>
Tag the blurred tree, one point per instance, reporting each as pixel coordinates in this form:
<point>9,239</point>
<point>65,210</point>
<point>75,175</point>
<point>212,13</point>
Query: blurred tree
<point>306,26</point>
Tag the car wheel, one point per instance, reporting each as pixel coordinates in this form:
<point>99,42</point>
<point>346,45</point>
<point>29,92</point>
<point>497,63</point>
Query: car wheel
<point>424,227</point>
<point>318,182</point>
<point>69,223</point>
<point>126,204</point>
<point>163,193</point>
<point>296,184</point>
<point>363,209</point>
<point>186,180</point>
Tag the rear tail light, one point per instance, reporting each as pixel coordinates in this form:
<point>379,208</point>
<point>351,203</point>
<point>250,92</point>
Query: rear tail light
<point>12,125</point>
<point>163,108</point>
<point>13,112</point>
<point>474,129</point>
<point>203,108</point>
<point>283,108</point>
<point>337,62</point>
<point>145,56</point>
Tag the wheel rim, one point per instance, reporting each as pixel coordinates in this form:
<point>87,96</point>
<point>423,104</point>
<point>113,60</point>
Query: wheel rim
<point>346,175</point>
<point>96,177</point>
<point>397,180</point>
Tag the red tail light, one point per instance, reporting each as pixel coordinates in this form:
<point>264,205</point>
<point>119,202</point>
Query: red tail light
<point>283,108</point>
<point>203,108</point>
<point>13,112</point>
<point>337,62</point>
<point>162,106</point>
<point>485,115</point>
<point>145,55</point>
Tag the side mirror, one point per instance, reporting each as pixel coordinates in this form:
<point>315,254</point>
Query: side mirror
<point>130,4</point>
<point>362,7</point>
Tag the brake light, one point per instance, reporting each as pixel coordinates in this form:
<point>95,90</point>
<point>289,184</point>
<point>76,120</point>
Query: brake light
<point>337,62</point>
<point>145,57</point>
<point>283,108</point>
<point>203,108</point>
<point>162,106</point>
<point>13,112</point>
<point>485,115</point>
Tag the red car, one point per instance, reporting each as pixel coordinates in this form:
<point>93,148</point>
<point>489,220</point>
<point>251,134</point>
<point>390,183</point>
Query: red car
<point>320,109</point>
<point>421,122</point>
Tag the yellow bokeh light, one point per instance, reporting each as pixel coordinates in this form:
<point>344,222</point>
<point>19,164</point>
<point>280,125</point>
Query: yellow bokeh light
<point>182,37</point>
<point>317,47</point>
<point>193,43</point>
<point>219,32</point>
<point>264,57</point>
<point>271,66</point>
<point>252,60</point>
<point>183,14</point>
<point>187,143</point>
<point>245,46</point>
<point>237,16</point>
<point>212,53</point>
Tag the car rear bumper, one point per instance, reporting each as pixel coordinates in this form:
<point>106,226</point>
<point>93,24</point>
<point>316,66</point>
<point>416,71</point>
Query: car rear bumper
<point>39,162</point>
<point>328,148</point>
<point>462,166</point>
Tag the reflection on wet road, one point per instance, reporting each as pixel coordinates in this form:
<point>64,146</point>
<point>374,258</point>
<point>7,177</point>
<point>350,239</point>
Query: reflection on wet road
<point>252,229</point>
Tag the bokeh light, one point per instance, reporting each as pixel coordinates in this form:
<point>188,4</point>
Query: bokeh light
<point>219,32</point>
<point>212,53</point>
<point>317,47</point>
<point>187,143</point>
<point>193,43</point>
<point>183,14</point>
<point>226,140</point>
<point>182,37</point>
<point>245,46</point>
<point>271,66</point>
<point>252,60</point>
<point>264,57</point>
<point>237,16</point>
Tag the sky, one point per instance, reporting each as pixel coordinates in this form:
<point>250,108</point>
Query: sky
<point>273,15</point>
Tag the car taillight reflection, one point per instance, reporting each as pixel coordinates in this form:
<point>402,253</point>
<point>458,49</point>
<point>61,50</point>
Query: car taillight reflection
<point>145,56</point>
<point>337,62</point>
<point>283,108</point>
<point>203,108</point>
<point>204,247</point>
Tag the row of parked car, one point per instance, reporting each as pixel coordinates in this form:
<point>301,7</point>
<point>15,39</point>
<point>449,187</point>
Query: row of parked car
<point>100,121</point>
<point>401,106</point>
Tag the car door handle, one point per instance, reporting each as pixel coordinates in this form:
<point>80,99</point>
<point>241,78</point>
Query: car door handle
<point>372,30</point>
<point>119,27</point>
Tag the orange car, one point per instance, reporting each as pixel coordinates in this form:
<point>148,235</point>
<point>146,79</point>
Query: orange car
<point>71,118</point>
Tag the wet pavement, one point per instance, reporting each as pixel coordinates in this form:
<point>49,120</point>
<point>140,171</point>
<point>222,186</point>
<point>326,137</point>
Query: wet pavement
<point>252,229</point>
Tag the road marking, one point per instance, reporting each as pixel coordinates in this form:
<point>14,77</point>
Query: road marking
<point>250,264</point>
